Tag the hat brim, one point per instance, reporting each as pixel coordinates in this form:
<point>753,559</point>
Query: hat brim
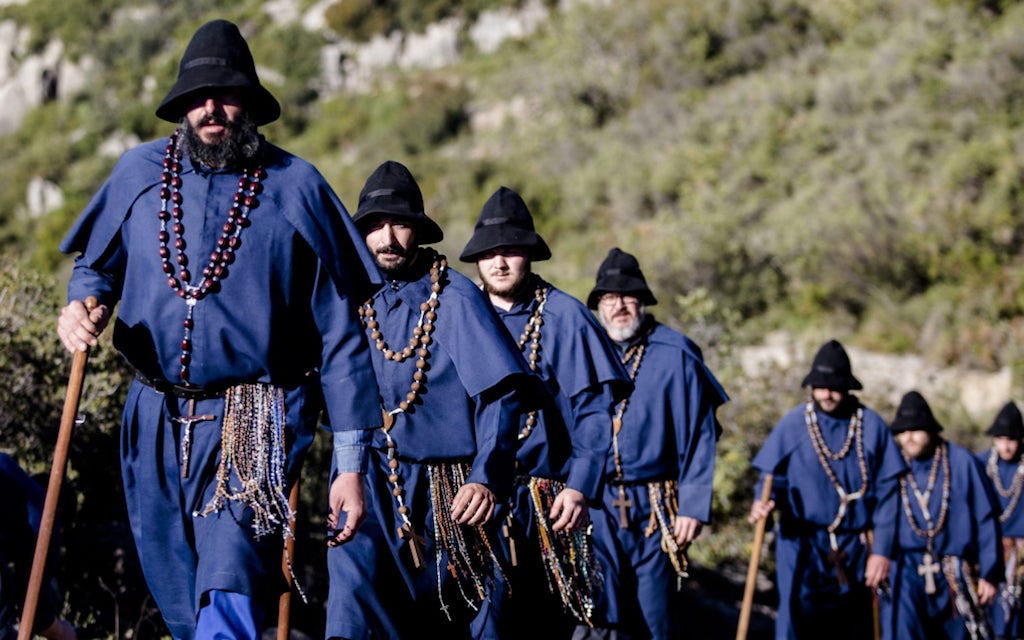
<point>488,238</point>
<point>261,105</point>
<point>821,380</point>
<point>427,231</point>
<point>1004,430</point>
<point>899,426</point>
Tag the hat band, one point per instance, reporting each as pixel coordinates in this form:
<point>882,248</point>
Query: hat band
<point>206,62</point>
<point>493,221</point>
<point>378,193</point>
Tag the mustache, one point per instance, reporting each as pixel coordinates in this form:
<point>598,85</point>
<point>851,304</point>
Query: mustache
<point>392,248</point>
<point>213,118</point>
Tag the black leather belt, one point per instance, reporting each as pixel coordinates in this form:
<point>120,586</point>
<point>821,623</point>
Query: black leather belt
<point>186,393</point>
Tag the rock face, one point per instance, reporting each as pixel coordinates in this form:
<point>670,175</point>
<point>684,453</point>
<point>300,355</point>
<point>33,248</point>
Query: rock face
<point>348,66</point>
<point>27,81</point>
<point>980,394</point>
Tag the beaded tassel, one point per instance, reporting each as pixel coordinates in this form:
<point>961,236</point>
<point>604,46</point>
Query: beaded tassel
<point>664,497</point>
<point>253,447</point>
<point>572,569</point>
<point>472,561</point>
<point>965,598</point>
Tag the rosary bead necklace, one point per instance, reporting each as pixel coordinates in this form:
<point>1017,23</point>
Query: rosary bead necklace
<point>179,277</point>
<point>923,498</point>
<point>855,440</point>
<point>636,354</point>
<point>419,344</point>
<point>532,333</point>
<point>1013,492</point>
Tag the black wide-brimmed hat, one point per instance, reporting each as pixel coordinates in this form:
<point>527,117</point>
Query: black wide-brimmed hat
<point>218,57</point>
<point>505,221</point>
<point>914,414</point>
<point>620,273</point>
<point>1007,423</point>
<point>391,190</point>
<point>831,369</point>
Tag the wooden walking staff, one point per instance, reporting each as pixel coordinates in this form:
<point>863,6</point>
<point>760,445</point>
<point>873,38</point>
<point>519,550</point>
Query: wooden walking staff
<point>755,558</point>
<point>57,470</point>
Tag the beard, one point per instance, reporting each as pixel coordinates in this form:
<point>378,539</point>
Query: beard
<point>239,146</point>
<point>628,332</point>
<point>392,268</point>
<point>510,291</point>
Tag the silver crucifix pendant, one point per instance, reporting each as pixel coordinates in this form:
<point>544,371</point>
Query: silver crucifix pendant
<point>187,422</point>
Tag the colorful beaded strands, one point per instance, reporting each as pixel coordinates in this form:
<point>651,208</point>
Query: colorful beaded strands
<point>664,496</point>
<point>532,333</point>
<point>253,451</point>
<point>179,277</point>
<point>471,558</point>
<point>1013,492</point>
<point>965,598</point>
<point>573,571</point>
<point>855,440</point>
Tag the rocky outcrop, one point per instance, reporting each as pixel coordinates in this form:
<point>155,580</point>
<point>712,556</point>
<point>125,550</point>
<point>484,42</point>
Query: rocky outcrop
<point>980,394</point>
<point>29,80</point>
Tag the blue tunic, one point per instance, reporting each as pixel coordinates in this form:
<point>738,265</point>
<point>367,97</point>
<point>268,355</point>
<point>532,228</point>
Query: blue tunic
<point>1005,615</point>
<point>669,432</point>
<point>580,369</point>
<point>285,315</point>
<point>476,386</point>
<point>584,376</point>
<point>812,603</point>
<point>971,532</point>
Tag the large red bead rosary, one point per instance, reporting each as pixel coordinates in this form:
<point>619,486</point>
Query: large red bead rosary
<point>216,270</point>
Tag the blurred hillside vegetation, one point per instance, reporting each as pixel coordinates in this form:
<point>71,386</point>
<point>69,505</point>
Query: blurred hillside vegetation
<point>847,169</point>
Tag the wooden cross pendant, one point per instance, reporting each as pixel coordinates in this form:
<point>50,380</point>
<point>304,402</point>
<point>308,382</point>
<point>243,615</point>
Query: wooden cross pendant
<point>837,558</point>
<point>187,422</point>
<point>506,530</point>
<point>417,544</point>
<point>623,503</point>
<point>928,568</point>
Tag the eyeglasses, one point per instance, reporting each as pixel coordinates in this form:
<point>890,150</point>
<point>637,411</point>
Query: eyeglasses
<point>609,299</point>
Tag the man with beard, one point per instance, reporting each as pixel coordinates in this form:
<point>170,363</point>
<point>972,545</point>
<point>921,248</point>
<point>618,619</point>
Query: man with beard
<point>453,390</point>
<point>562,448</point>
<point>238,272</point>
<point>948,557</point>
<point>835,470</point>
<point>1005,468</point>
<point>657,478</point>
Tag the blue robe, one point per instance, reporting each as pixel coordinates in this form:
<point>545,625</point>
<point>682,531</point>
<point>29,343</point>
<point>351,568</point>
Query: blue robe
<point>584,376</point>
<point>971,532</point>
<point>1005,617</point>
<point>21,503</point>
<point>285,315</point>
<point>476,386</point>
<point>669,432</point>
<point>812,604</point>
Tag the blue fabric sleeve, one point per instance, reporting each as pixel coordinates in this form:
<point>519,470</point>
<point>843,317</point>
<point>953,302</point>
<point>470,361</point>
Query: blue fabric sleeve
<point>591,439</point>
<point>352,450</point>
